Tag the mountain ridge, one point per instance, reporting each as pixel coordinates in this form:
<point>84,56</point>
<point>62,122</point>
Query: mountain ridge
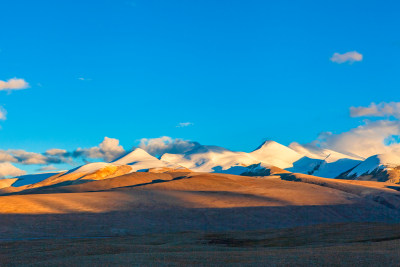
<point>264,160</point>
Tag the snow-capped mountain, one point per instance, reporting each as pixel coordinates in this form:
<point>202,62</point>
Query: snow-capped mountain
<point>137,155</point>
<point>140,160</point>
<point>327,155</point>
<point>137,160</point>
<point>323,162</point>
<point>275,154</point>
<point>382,167</point>
<point>336,168</point>
<point>210,159</point>
<point>268,159</point>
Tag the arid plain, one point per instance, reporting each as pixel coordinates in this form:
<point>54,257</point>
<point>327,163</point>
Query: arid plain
<point>181,218</point>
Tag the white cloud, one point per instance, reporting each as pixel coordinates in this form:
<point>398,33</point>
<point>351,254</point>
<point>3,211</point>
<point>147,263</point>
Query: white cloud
<point>7,169</point>
<point>56,152</point>
<point>13,84</point>
<point>108,150</point>
<point>47,168</point>
<point>3,114</point>
<point>84,79</point>
<point>184,124</point>
<point>346,57</point>
<point>166,144</point>
<point>7,157</point>
<point>370,138</point>
<point>28,158</point>
<point>382,109</point>
<point>31,158</point>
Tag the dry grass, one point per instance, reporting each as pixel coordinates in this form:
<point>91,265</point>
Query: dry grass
<point>199,219</point>
<point>322,245</point>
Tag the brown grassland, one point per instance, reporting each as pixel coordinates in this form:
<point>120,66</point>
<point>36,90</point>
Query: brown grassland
<point>172,219</point>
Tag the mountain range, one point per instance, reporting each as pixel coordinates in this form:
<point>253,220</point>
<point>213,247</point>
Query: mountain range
<point>269,158</point>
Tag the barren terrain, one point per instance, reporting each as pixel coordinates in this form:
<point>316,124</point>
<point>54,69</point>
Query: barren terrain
<point>209,219</point>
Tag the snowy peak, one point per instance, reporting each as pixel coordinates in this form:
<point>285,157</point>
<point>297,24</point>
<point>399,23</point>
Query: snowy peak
<point>218,159</point>
<point>140,160</point>
<point>376,163</point>
<point>298,158</point>
<point>327,155</point>
<point>388,159</point>
<point>267,144</point>
<point>136,155</point>
<point>276,154</point>
<point>270,148</point>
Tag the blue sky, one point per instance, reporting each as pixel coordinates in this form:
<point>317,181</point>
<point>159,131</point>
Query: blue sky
<point>239,71</point>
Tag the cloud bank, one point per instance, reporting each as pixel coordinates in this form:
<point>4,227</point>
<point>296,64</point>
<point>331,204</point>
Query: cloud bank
<point>370,138</point>
<point>108,150</point>
<point>30,158</point>
<point>350,57</point>
<point>165,144</point>
<point>383,109</point>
